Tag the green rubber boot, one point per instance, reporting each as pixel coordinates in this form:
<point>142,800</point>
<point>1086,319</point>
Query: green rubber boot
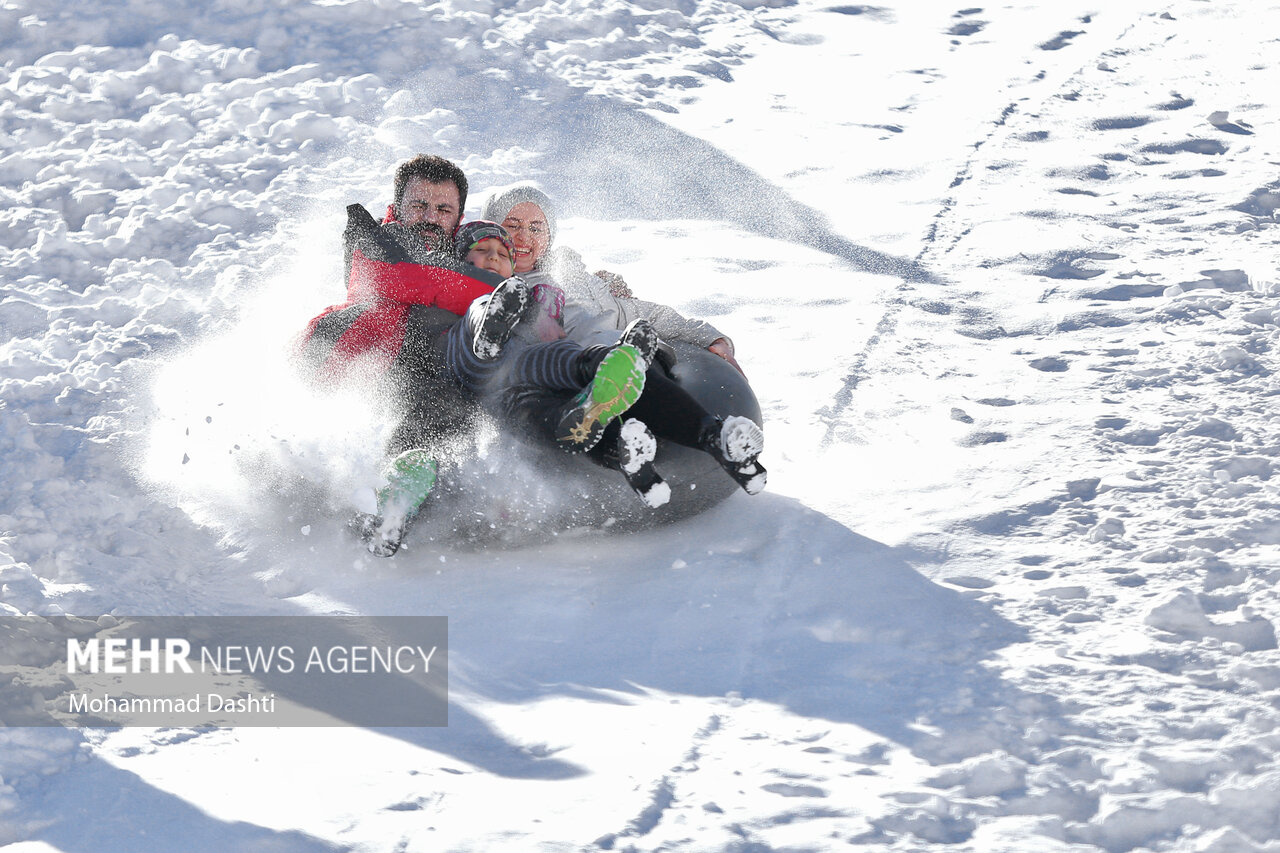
<point>617,384</point>
<point>410,478</point>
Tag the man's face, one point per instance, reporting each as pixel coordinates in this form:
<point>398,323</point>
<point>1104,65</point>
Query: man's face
<point>490,254</point>
<point>527,225</point>
<point>430,208</point>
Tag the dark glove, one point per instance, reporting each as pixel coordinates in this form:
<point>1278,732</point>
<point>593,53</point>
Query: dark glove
<point>666,357</point>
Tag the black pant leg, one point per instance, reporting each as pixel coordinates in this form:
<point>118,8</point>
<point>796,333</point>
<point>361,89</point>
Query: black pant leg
<point>669,410</point>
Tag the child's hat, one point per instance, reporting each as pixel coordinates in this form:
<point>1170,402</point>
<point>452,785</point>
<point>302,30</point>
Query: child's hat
<point>469,234</point>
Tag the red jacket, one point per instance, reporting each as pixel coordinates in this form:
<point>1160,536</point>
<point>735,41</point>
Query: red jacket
<point>401,295</point>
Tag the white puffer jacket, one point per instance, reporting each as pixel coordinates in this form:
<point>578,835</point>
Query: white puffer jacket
<point>594,315</point>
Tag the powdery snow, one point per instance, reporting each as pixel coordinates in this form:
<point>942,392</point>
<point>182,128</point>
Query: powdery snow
<point>1002,278</point>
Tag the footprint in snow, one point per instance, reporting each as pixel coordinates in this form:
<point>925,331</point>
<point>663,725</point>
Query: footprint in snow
<point>1120,123</point>
<point>983,437</point>
<point>1141,437</point>
<point>1123,292</point>
<point>1177,103</point>
<point>784,789</point>
<point>1125,577</point>
<point>1085,489</point>
<point>1213,428</point>
<point>969,582</point>
<point>1187,146</point>
<point>1068,267</point>
<point>966,28</point>
<point>1051,364</point>
<point>1221,121</point>
<point>1262,203</point>
<point>1061,40</point>
<point>876,12</point>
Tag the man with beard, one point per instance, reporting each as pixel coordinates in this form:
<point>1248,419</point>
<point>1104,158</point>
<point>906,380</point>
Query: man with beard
<point>430,193</point>
<point>405,289</point>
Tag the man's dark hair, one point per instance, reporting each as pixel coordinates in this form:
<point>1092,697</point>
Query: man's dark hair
<point>434,170</point>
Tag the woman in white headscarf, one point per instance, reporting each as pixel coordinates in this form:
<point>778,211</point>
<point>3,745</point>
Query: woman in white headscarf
<point>595,313</point>
<point>597,308</point>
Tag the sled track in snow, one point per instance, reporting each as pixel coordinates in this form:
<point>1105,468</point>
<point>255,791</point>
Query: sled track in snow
<point>935,246</point>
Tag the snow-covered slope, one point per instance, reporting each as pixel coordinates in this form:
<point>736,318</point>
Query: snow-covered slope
<point>1003,279</point>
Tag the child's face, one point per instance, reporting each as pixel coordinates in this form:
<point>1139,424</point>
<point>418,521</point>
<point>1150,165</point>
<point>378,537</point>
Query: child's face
<point>489,254</point>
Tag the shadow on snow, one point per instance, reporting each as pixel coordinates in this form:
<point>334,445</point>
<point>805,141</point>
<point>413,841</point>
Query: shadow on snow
<point>759,597</point>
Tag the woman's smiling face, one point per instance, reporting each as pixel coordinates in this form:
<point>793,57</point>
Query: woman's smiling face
<point>527,225</point>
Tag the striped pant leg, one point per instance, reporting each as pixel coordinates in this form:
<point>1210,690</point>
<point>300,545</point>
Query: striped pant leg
<point>554,366</point>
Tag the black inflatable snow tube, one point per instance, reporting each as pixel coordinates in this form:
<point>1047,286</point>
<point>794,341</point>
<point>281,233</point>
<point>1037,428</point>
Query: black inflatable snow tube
<point>697,481</point>
<point>523,492</point>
